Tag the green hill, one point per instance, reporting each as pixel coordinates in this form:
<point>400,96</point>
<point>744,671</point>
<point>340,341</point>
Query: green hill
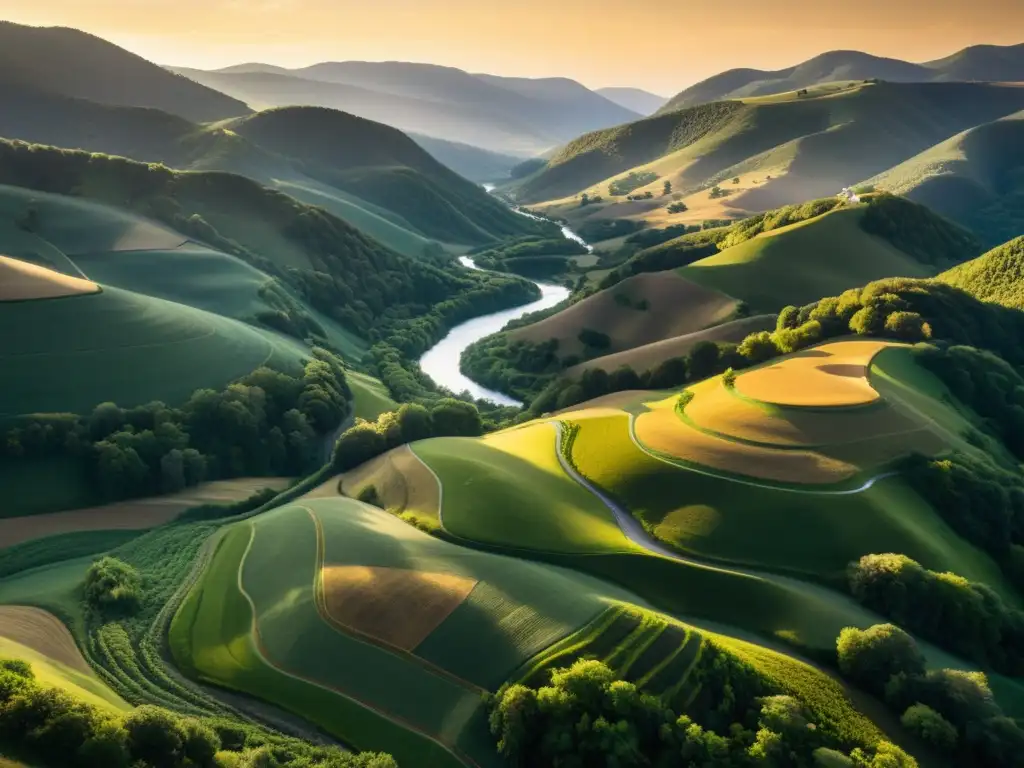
<point>386,168</point>
<point>782,149</point>
<point>411,200</point>
<point>997,276</point>
<point>990,63</point>
<point>975,177</point>
<point>75,63</point>
<point>825,255</point>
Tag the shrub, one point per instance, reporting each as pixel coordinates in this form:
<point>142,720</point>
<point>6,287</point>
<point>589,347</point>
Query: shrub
<point>931,727</point>
<point>871,657</point>
<point>729,378</point>
<point>594,340</point>
<point>112,585</point>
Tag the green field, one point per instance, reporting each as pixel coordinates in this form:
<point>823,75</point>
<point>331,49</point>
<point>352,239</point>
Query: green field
<point>509,490</point>
<point>803,262</point>
<point>51,673</point>
<point>516,609</point>
<point>371,397</point>
<point>795,531</point>
<point>72,354</point>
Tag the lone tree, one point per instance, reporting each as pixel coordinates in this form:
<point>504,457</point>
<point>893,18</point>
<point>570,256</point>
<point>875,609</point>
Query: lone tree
<point>668,188</point>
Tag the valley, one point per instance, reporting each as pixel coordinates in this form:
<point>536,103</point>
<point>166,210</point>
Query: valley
<point>397,414</point>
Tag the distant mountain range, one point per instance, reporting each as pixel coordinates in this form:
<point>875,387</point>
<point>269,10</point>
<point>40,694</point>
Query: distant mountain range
<point>990,63</point>
<point>502,114</point>
<point>635,99</point>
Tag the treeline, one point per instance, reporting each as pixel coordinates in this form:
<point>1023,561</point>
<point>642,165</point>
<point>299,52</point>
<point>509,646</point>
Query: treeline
<point>981,502</point>
<point>267,423</point>
<point>984,382</point>
<point>917,231</point>
<point>585,716</point>
<point>53,729</point>
<point>953,711</point>
<point>369,439</point>
<point>964,617</point>
<point>351,278</point>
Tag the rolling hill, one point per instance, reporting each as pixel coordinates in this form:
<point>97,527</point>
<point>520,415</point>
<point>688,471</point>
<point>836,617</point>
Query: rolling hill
<point>782,149</point>
<point>636,99</point>
<point>403,183</point>
<point>513,115</point>
<point>997,276</point>
<point>976,178</point>
<point>989,63</point>
<point>75,63</point>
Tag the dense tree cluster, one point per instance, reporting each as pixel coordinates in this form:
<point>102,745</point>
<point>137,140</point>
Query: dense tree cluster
<point>981,502</point>
<point>648,238</point>
<point>917,231</point>
<point>939,705</point>
<point>964,617</point>
<point>586,717</point>
<point>267,423</point>
<point>984,382</point>
<point>369,439</point>
<point>112,586</point>
<point>596,230</point>
<point>58,731</point>
<point>632,180</point>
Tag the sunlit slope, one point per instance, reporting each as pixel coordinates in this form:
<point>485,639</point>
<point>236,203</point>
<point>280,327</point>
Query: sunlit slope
<point>329,618</point>
<point>802,262</point>
<point>997,276</point>
<point>809,146</point>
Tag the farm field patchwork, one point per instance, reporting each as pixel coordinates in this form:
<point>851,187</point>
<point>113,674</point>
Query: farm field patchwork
<point>509,489</point>
<point>137,514</point>
<point>322,619</point>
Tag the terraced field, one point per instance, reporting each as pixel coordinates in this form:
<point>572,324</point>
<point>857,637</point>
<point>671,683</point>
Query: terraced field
<point>395,604</point>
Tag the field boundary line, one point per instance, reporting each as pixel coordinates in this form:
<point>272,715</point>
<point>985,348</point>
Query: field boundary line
<point>753,484</point>
<point>320,600</point>
<point>260,649</point>
<point>440,487</point>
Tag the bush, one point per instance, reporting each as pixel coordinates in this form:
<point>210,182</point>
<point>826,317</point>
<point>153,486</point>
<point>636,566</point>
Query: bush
<point>871,657</point>
<point>113,586</point>
<point>594,340</point>
<point>929,726</point>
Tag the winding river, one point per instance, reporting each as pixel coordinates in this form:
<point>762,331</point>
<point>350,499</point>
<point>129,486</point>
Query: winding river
<point>441,361</point>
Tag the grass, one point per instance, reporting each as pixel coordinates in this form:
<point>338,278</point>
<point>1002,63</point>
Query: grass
<point>50,673</point>
<point>509,489</point>
<point>210,638</point>
<point>803,262</point>
<point>371,397</point>
<point>170,349</point>
<point>55,588</point>
<point>776,529</point>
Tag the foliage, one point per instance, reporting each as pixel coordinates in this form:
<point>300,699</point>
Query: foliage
<point>595,230</point>
<point>587,716</point>
<point>111,585</point>
<point>967,618</point>
<point>631,181</point>
<point>367,440</point>
<point>57,730</point>
<point>872,656</point>
<point>648,238</point>
<point>916,230</point>
<point>267,423</point>
<point>753,226</point>
<point>943,706</point>
<point>929,726</point>
<point>994,276</point>
<point>679,207</point>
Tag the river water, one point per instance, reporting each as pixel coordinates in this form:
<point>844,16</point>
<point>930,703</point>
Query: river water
<point>441,361</point>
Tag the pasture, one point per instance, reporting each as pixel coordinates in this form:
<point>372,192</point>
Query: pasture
<point>508,489</point>
<point>802,262</point>
<point>401,483</point>
<point>640,310</point>
<point>170,349</point>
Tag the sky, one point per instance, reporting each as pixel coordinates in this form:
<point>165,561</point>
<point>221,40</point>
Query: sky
<point>660,45</point>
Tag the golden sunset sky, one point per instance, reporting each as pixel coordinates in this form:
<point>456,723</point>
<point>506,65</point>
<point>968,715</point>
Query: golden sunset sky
<point>662,45</point>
